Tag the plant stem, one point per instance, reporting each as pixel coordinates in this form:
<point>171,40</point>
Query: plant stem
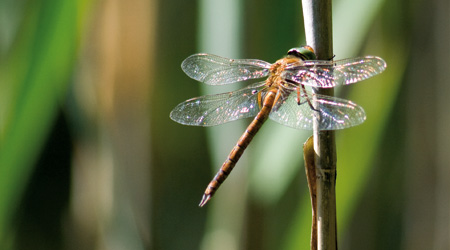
<point>318,29</point>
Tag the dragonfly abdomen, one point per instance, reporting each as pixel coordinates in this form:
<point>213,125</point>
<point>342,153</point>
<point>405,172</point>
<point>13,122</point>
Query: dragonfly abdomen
<point>240,146</point>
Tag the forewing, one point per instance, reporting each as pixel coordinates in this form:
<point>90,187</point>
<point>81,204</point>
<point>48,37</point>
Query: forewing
<point>327,74</point>
<point>213,110</point>
<point>335,113</point>
<point>216,70</point>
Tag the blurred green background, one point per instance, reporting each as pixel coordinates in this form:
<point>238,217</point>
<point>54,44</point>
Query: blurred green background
<point>89,158</point>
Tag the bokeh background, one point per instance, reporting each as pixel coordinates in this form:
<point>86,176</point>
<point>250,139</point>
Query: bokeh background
<point>89,158</point>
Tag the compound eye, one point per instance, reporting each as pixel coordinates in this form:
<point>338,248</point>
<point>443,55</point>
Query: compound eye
<point>304,53</point>
<point>295,52</point>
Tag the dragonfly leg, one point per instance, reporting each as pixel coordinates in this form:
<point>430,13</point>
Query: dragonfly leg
<point>308,99</point>
<point>260,102</point>
<point>298,91</point>
<point>299,95</point>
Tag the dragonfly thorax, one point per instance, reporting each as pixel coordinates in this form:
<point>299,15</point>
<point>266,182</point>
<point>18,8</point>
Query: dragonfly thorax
<point>276,70</point>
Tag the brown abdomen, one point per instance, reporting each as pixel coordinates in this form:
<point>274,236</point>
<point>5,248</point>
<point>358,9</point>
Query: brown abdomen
<point>241,145</point>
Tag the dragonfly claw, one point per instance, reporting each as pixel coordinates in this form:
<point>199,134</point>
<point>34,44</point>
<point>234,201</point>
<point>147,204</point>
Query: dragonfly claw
<point>204,200</point>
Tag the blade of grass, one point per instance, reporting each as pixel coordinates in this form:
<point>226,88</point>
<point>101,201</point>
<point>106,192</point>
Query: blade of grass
<point>310,168</point>
<point>34,75</point>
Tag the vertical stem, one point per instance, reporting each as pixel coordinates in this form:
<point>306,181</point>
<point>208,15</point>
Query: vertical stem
<point>318,29</point>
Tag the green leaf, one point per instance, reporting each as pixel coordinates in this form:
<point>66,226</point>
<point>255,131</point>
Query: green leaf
<point>34,76</point>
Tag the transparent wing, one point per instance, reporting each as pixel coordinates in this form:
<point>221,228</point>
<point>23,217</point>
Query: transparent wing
<point>213,110</point>
<point>335,113</point>
<point>327,74</point>
<point>216,70</point>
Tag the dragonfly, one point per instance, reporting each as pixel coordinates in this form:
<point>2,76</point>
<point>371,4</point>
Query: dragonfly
<point>282,96</point>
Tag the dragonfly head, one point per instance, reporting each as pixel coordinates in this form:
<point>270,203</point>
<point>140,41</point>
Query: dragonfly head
<point>304,53</point>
